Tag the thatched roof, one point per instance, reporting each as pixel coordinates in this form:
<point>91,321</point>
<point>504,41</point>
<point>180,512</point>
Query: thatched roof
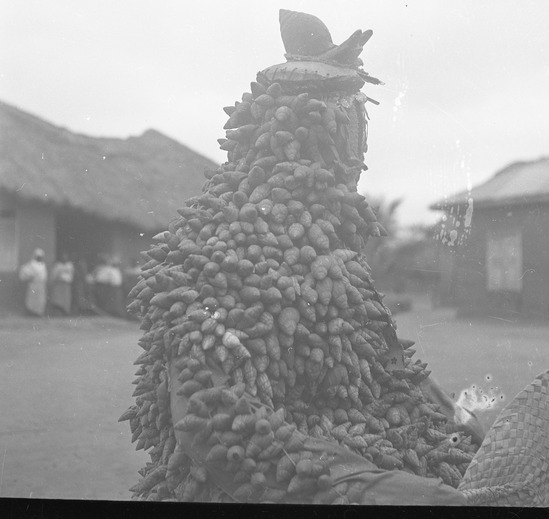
<point>140,181</point>
<point>518,184</point>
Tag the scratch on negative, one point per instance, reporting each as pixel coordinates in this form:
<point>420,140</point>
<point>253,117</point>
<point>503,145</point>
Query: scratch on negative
<point>500,318</point>
<point>429,325</point>
<point>420,342</point>
<point>528,271</point>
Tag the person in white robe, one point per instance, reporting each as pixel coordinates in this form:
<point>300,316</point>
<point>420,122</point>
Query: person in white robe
<point>62,276</point>
<point>35,274</point>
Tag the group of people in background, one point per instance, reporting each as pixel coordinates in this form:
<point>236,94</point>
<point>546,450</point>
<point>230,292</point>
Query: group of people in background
<point>69,288</point>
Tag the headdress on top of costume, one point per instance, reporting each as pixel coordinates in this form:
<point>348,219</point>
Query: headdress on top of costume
<point>316,66</point>
<point>312,55</point>
<point>305,36</point>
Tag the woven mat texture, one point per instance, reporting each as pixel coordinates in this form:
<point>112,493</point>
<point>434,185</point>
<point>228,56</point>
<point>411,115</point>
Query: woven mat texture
<point>511,468</point>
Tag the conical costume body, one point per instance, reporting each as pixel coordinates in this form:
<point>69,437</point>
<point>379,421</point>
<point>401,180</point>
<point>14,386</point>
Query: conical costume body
<point>269,354</point>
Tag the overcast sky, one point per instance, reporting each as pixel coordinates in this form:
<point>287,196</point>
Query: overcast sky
<point>466,83</point>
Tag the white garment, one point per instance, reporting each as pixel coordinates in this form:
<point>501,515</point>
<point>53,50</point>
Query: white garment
<point>63,272</point>
<point>36,274</point>
<point>34,271</point>
<point>108,275</point>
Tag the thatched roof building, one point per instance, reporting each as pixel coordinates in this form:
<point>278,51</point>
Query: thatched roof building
<point>520,183</point>
<point>140,181</point>
<point>85,196</point>
<point>500,254</point>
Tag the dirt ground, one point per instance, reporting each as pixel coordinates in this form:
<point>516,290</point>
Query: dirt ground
<point>64,383</point>
<point>490,358</point>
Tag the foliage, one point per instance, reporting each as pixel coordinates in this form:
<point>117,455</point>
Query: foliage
<point>380,251</point>
<point>405,259</point>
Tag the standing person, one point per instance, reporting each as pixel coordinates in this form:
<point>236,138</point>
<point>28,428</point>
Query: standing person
<point>107,280</point>
<point>62,276</point>
<point>82,296</point>
<point>98,280</point>
<point>35,274</point>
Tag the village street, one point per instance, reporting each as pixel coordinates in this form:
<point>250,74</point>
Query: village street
<point>64,383</point>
